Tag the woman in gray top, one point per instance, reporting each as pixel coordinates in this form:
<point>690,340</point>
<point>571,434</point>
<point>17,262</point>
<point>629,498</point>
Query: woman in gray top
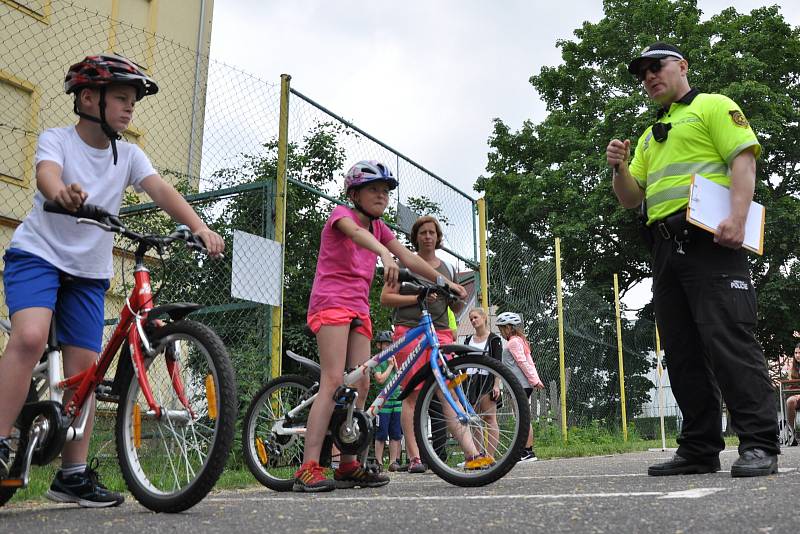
<point>426,236</point>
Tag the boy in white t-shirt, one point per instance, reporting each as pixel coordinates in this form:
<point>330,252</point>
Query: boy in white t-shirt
<point>53,264</point>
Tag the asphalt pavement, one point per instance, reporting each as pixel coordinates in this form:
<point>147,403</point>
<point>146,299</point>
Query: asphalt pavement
<point>598,494</point>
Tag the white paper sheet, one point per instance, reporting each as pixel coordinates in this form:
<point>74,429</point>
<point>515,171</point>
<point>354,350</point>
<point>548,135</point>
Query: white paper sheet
<point>710,203</point>
<point>256,270</point>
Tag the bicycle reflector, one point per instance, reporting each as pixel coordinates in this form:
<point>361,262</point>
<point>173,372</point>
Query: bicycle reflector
<point>262,451</point>
<point>137,426</point>
<point>455,382</point>
<point>211,396</point>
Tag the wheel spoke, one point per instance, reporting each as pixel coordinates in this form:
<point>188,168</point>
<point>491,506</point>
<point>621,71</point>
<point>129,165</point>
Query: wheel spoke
<point>189,439</point>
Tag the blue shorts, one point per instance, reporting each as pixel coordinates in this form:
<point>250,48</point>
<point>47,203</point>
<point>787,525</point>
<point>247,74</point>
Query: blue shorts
<point>31,282</point>
<point>389,427</point>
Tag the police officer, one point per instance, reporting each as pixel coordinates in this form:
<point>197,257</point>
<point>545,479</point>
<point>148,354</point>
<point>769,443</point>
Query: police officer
<point>704,299</point>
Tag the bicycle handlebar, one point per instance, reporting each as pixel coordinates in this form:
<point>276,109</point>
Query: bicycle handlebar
<point>97,216</point>
<point>411,284</point>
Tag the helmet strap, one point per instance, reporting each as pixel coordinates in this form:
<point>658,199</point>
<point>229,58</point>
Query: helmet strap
<point>107,129</point>
<point>371,218</point>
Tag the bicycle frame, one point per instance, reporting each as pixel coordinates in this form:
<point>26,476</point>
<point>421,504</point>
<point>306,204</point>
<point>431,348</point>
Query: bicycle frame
<point>424,328</point>
<point>130,327</point>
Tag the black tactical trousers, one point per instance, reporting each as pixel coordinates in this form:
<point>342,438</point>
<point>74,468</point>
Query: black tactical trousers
<point>705,307</point>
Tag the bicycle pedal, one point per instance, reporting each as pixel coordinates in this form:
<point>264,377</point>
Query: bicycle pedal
<point>104,392</point>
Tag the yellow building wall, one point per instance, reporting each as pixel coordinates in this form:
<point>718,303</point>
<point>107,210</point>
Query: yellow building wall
<point>42,38</point>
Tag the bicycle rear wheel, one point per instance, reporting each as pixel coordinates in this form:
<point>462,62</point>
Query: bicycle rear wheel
<point>273,458</point>
<point>498,430</point>
<point>171,462</point>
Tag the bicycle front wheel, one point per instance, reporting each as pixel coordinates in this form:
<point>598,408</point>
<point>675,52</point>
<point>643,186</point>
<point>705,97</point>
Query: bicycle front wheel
<point>497,431</point>
<point>274,457</point>
<point>172,460</point>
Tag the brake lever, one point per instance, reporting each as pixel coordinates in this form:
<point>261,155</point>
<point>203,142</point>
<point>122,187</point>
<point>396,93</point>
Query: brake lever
<point>104,226</point>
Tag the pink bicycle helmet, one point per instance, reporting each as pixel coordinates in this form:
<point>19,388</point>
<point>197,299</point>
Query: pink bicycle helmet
<point>367,171</point>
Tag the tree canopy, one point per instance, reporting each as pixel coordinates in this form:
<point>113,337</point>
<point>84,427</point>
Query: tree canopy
<point>551,179</point>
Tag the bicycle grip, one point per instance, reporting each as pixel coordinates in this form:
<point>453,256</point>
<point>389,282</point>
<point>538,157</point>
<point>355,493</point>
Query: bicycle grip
<point>86,211</point>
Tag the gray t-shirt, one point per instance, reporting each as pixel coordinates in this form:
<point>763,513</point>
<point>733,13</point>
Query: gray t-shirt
<point>410,315</point>
<point>80,249</point>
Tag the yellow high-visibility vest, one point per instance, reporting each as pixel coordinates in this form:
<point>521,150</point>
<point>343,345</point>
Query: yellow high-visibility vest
<point>706,132</point>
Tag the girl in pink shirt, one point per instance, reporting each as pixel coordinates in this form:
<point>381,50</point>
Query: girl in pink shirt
<point>517,356</point>
<point>352,240</point>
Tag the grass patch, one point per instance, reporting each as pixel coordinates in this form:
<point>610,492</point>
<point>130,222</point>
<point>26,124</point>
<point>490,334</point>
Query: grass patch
<point>596,440</point>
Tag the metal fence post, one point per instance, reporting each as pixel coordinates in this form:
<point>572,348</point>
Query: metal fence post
<point>621,366</point>
<point>483,266</point>
<point>280,221</point>
<point>561,364</point>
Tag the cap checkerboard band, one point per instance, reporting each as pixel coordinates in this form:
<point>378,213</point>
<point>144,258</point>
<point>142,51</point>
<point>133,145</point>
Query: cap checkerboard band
<point>659,52</point>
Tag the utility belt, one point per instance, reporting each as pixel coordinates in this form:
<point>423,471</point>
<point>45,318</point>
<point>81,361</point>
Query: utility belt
<point>673,228</point>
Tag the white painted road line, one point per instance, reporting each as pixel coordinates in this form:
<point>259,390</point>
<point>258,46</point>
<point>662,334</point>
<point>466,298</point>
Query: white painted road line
<point>686,494</point>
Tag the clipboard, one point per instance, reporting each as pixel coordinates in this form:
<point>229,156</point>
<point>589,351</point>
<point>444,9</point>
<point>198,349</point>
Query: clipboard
<point>710,203</point>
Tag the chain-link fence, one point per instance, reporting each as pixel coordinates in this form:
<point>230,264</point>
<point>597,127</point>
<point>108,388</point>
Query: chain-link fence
<point>212,131</point>
<point>524,282</point>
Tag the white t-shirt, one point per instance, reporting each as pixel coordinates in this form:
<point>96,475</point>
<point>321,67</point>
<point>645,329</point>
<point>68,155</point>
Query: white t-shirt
<point>478,345</point>
<point>80,249</point>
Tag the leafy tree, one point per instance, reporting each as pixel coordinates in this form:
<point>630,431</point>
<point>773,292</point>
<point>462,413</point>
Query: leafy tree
<point>551,179</point>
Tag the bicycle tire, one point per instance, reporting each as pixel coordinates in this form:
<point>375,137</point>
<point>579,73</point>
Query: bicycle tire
<point>171,463</point>
<point>273,459</point>
<point>512,409</point>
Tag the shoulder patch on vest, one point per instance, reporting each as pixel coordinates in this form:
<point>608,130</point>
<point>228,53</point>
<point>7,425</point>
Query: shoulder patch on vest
<point>738,118</point>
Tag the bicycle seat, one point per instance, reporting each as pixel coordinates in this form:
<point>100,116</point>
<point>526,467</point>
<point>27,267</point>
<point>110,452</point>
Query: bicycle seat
<point>311,365</point>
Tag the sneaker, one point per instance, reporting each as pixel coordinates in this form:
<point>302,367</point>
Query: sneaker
<point>394,467</point>
<point>528,456</point>
<point>5,458</point>
<point>352,474</point>
<point>481,461</point>
<point>310,478</point>
<point>417,466</point>
<point>84,489</point>
<point>374,466</point>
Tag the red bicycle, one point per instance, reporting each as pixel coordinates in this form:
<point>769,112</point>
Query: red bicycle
<point>174,387</point>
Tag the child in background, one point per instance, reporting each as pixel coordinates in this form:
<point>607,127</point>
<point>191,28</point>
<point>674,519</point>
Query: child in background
<point>389,415</point>
<point>517,356</point>
<point>352,240</point>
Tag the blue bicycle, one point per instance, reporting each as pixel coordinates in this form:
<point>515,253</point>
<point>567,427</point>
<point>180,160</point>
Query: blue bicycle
<point>464,439</point>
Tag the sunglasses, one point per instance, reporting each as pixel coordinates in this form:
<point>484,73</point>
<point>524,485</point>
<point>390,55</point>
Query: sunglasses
<point>653,67</point>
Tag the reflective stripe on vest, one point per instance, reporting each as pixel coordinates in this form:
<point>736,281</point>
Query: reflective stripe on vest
<point>689,168</point>
<point>664,202</point>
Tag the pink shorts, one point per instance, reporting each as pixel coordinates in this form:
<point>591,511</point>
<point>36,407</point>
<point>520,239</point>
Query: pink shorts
<point>338,317</point>
<point>445,336</point>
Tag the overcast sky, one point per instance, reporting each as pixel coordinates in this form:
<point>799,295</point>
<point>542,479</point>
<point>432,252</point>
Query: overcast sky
<point>425,76</point>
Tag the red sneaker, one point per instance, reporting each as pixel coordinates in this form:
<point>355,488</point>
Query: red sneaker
<point>352,474</point>
<point>311,478</point>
